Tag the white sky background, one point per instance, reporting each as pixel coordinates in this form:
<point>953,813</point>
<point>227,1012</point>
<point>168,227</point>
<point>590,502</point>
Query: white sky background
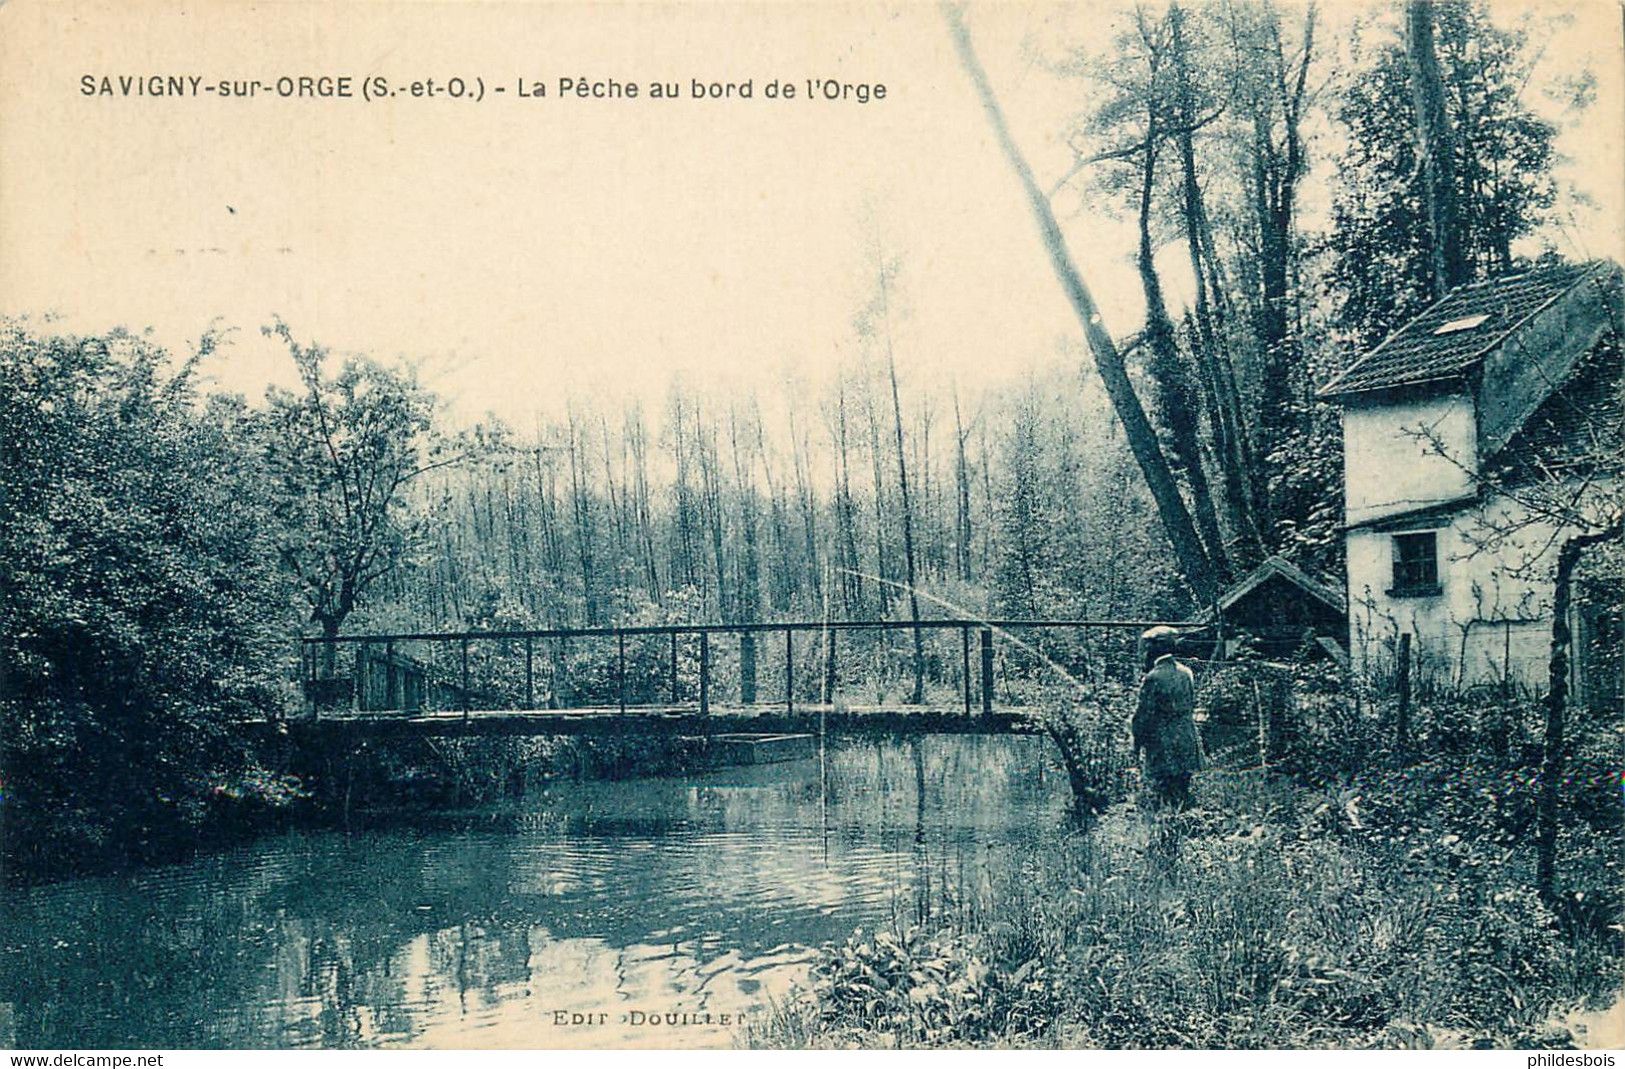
<point>528,252</point>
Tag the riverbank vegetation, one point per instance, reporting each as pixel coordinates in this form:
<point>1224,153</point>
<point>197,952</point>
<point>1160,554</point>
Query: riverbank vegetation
<point>1363,900</point>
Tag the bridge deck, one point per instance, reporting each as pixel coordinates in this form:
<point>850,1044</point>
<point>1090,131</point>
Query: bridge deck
<point>678,720</point>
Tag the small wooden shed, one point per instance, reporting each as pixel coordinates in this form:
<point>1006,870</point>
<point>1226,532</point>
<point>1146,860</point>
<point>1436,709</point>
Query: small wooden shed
<point>1278,609</point>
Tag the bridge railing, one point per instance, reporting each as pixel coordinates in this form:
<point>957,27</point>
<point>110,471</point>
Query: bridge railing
<point>966,662</point>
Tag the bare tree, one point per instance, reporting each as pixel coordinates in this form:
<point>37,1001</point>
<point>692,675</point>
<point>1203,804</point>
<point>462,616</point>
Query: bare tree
<point>962,519</point>
<point>1192,557</point>
<point>882,327</point>
<point>582,508</point>
<point>636,438</point>
<point>845,508</point>
<point>748,595</point>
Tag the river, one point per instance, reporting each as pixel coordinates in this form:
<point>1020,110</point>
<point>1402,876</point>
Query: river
<point>597,914</point>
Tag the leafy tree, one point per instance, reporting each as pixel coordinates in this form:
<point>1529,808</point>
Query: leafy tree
<point>1500,165</point>
<point>1152,108</point>
<point>142,608</point>
<point>342,453</point>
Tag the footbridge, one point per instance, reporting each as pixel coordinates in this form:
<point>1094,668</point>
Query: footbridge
<point>888,677</point>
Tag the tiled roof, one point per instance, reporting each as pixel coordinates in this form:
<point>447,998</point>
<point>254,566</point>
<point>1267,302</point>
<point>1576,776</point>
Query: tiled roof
<point>1449,338</point>
<point>1577,428</point>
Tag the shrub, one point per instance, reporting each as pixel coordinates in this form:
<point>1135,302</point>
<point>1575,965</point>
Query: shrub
<point>943,987</point>
<point>1089,727</point>
<point>144,614</point>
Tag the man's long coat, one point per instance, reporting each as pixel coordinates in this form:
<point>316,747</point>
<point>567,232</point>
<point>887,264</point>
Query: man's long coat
<point>1163,723</point>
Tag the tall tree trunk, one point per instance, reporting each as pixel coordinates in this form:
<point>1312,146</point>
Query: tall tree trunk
<point>705,445</point>
<point>616,495</point>
<point>962,520</point>
<point>990,528</point>
<point>781,586</point>
<point>1209,346</point>
<point>1277,169</point>
<point>882,558</point>
<point>1189,555</point>
<point>552,537</point>
<point>581,503</point>
<point>328,662</point>
<point>845,509</point>
<point>748,598</point>
<point>637,440</point>
<point>684,547</point>
<point>807,503</point>
<point>902,489</point>
<point>926,514</point>
<point>1435,147</point>
<point>1026,520</point>
<point>1177,400</point>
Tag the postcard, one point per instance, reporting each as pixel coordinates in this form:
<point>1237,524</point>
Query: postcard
<point>838,525</point>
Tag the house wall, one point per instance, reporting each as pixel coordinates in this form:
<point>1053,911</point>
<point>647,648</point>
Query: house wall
<point>1490,621</point>
<point>1390,469</point>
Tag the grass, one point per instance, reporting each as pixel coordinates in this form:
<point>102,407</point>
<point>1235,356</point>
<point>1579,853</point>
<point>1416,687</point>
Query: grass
<point>1385,908</point>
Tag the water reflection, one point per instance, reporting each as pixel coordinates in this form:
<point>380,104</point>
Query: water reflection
<point>698,895</point>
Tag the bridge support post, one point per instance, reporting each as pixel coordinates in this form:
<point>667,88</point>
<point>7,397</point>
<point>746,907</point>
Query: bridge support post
<point>789,673</point>
<point>964,658</point>
<point>465,677</point>
<point>705,672</point>
<point>674,668</point>
<point>530,672</point>
<point>987,670</point>
<point>620,667</point>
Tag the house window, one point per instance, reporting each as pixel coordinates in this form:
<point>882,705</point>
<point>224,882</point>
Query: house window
<point>1416,565</point>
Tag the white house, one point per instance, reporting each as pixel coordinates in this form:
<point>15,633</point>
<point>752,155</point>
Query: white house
<point>1456,429</point>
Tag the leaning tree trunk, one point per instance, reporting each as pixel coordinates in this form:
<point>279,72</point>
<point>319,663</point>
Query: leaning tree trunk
<point>1189,554</point>
<point>1557,696</point>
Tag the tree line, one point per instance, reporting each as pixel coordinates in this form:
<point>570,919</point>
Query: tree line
<point>164,544</point>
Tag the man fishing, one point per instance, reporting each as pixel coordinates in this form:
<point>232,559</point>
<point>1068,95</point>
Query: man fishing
<point>1164,727</point>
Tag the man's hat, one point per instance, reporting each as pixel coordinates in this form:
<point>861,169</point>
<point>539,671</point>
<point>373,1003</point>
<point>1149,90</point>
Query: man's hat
<point>1156,643</point>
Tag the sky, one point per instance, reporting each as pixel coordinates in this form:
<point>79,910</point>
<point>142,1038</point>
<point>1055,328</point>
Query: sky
<point>528,252</point>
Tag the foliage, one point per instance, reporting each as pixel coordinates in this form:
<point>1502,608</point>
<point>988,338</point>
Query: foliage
<point>1089,732</point>
<point>1362,902</point>
<point>143,612</point>
<point>1270,917</point>
<point>1306,483</point>
<point>340,456</point>
<point>1380,275</point>
<point>933,988</point>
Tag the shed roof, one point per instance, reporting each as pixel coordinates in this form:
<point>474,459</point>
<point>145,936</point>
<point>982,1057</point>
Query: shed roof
<point>1451,337</point>
<point>1279,566</point>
